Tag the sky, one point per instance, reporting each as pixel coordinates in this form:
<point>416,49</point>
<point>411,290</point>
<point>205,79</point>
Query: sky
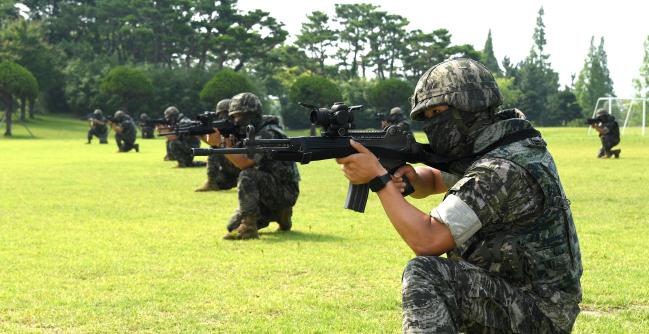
<point>569,24</point>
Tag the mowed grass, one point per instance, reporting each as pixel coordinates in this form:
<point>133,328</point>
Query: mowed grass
<point>96,241</point>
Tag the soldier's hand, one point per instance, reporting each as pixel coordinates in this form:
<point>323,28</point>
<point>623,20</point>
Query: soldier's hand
<point>229,141</point>
<point>361,167</point>
<point>214,139</point>
<point>407,171</point>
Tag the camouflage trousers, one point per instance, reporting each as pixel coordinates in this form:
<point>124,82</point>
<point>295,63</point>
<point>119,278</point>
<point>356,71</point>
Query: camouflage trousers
<point>124,143</point>
<point>99,132</point>
<point>261,196</point>
<point>147,132</point>
<point>221,172</point>
<point>181,150</point>
<point>607,145</point>
<point>444,296</point>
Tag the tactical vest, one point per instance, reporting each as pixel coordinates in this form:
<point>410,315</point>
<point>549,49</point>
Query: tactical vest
<point>540,252</point>
<point>281,169</point>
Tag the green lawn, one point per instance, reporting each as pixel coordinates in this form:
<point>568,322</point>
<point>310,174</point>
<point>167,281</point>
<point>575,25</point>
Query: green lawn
<point>96,241</point>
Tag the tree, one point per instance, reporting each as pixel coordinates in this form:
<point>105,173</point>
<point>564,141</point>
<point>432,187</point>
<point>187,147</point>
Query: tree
<point>594,80</point>
<point>224,85</point>
<point>509,92</point>
<point>489,58</point>
<point>311,89</point>
<point>568,108</point>
<point>316,38</point>
<point>641,83</point>
<point>23,42</point>
<point>354,19</point>
<point>387,94</point>
<point>16,82</point>
<point>386,42</point>
<point>538,83</point>
<point>129,85</point>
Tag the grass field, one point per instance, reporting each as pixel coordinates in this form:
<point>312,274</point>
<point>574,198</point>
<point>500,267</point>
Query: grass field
<point>95,241</point>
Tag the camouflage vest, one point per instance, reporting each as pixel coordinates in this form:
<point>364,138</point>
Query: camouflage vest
<point>539,252</point>
<point>284,171</point>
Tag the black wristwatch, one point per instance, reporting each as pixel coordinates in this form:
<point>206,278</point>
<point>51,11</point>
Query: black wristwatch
<point>379,182</point>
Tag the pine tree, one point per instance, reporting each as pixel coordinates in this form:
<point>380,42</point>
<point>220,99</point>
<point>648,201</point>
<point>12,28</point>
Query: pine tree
<point>641,83</point>
<point>538,83</point>
<point>594,80</point>
<point>489,58</point>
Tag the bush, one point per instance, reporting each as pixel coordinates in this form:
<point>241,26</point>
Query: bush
<point>311,89</point>
<point>224,85</point>
<point>82,81</point>
<point>387,94</point>
<point>179,87</point>
<point>129,85</point>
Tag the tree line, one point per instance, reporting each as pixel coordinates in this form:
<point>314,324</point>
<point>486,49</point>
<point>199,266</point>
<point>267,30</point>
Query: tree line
<point>143,55</point>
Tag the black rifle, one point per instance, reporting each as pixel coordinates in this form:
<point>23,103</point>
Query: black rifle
<point>591,121</point>
<point>156,122</point>
<point>393,146</point>
<point>197,128</point>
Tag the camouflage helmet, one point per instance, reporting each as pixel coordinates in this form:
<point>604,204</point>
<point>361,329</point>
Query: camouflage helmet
<point>98,112</point>
<point>171,112</point>
<point>601,112</point>
<point>223,106</point>
<point>396,111</point>
<point>462,83</point>
<point>144,116</point>
<point>245,103</point>
<point>119,115</point>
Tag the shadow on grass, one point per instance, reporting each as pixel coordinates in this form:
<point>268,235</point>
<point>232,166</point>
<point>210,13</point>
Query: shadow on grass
<point>271,236</point>
<point>19,137</point>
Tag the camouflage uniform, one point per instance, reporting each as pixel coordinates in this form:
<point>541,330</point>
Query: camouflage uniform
<point>221,173</point>
<point>180,149</point>
<point>517,264</point>
<point>610,136</point>
<point>267,190</point>
<point>98,130</point>
<point>397,118</point>
<point>126,137</point>
<point>146,129</point>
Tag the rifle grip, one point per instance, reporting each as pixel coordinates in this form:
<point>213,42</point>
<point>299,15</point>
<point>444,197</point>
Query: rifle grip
<point>357,197</point>
<point>409,188</point>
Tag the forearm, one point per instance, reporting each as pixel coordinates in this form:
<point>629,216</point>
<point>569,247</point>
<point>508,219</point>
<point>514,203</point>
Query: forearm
<point>241,161</point>
<point>423,234</point>
<point>429,182</point>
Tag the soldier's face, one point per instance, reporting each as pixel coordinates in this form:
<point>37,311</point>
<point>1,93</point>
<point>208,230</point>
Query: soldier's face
<point>434,111</point>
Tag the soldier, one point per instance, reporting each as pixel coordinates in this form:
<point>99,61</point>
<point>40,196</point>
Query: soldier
<point>98,127</point>
<point>146,129</point>
<point>513,261</point>
<point>268,189</point>
<point>397,118</point>
<point>180,147</point>
<point>125,132</point>
<point>609,134</point>
<point>221,173</point>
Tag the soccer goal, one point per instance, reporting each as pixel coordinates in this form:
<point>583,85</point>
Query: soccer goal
<point>630,112</point>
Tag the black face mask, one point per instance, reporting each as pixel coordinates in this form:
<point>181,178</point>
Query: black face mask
<point>445,137</point>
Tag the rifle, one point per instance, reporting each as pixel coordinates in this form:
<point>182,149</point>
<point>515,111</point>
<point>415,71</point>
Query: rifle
<point>156,122</point>
<point>393,146</point>
<point>197,128</point>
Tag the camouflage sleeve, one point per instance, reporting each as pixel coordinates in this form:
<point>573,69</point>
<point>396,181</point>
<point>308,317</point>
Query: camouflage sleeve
<point>497,191</point>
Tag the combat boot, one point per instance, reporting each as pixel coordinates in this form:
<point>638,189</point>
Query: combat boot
<point>284,219</point>
<point>246,230</point>
<point>137,147</point>
<point>208,186</point>
<point>616,153</point>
